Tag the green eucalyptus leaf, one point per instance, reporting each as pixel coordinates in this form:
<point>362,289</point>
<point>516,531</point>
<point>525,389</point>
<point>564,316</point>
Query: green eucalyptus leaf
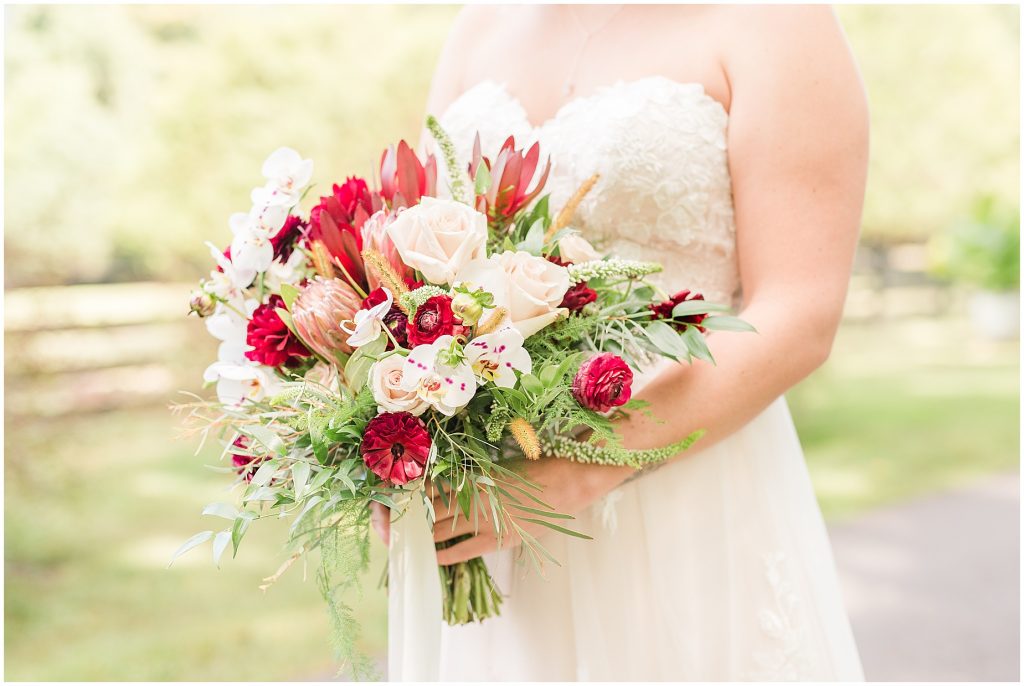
<point>310,504</point>
<point>357,369</point>
<point>221,510</point>
<point>531,384</point>
<point>696,344</point>
<point>238,531</point>
<point>289,293</point>
<point>220,544</point>
<point>688,307</point>
<point>724,322</point>
<point>300,475</point>
<point>264,474</point>
<point>533,243</point>
<point>666,339</point>
<point>198,539</point>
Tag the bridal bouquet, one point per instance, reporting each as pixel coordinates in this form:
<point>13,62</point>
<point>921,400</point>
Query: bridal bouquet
<point>398,343</point>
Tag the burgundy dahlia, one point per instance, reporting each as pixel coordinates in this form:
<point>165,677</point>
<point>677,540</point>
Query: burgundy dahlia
<point>273,343</point>
<point>432,320</point>
<point>395,319</point>
<point>285,239</point>
<point>663,310</point>
<point>395,447</point>
<point>604,381</point>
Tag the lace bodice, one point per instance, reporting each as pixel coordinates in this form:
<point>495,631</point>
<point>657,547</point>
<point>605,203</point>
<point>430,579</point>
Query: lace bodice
<point>660,146</point>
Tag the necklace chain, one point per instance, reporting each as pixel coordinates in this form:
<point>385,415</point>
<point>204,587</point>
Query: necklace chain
<point>569,85</point>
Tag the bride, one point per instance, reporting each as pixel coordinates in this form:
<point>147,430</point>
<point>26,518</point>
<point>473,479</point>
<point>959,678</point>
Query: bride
<point>732,148</point>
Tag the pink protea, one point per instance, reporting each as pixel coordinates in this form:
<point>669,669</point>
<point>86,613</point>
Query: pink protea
<point>404,179</point>
<point>374,236</point>
<point>318,312</point>
<point>511,173</point>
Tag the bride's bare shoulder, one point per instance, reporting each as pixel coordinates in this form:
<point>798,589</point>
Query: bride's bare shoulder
<point>450,74</point>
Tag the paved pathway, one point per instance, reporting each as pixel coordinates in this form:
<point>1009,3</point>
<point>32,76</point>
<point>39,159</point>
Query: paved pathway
<point>933,586</point>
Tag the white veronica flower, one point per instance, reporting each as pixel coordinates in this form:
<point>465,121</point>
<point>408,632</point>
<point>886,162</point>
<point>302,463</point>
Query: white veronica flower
<point>496,356</point>
<point>287,175</point>
<point>368,324</point>
<point>445,388</point>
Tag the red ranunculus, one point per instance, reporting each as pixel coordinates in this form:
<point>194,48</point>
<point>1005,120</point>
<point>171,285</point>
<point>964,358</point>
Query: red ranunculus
<point>245,464</point>
<point>396,446</point>
<point>284,240</point>
<point>273,344</point>
<point>432,320</point>
<point>395,319</point>
<point>578,295</point>
<point>604,381</point>
<point>663,310</point>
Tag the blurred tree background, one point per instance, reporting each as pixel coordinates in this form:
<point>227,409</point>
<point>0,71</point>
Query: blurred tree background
<point>132,132</point>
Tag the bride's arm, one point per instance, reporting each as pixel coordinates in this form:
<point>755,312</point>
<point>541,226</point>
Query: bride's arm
<point>798,144</point>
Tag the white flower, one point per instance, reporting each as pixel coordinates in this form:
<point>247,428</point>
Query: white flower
<point>287,176</point>
<point>438,237</point>
<point>231,280</point>
<point>576,248</point>
<point>368,324</point>
<point>495,356</point>
<point>290,272</point>
<point>528,287</point>
<point>386,385</point>
<point>237,383</point>
<point>446,388</point>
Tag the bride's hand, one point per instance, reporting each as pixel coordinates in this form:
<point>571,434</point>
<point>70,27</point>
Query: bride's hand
<point>567,486</point>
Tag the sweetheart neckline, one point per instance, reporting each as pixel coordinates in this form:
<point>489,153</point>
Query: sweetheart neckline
<point>599,92</point>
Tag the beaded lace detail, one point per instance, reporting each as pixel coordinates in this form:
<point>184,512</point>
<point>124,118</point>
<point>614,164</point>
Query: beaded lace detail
<point>660,146</point>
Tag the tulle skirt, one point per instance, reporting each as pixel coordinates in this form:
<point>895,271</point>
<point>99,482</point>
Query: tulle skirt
<point>714,567</point>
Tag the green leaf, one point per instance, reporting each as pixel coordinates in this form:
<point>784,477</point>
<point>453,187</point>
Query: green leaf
<point>221,510</point>
<point>267,438</point>
<point>357,369</point>
<point>237,532</point>
<point>534,241</point>
<point>725,322</point>
<point>542,513</point>
<point>666,339</point>
<point>289,293</point>
<point>310,504</point>
<point>263,475</point>
<point>531,384</point>
<point>688,307</point>
<point>198,539</point>
<point>559,529</point>
<point>300,475</point>
<point>696,344</point>
<point>483,180</point>
<point>220,544</point>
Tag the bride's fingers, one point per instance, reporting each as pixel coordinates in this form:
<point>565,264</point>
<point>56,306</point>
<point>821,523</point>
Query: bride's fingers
<point>466,550</point>
<point>448,529</point>
<point>380,519</point>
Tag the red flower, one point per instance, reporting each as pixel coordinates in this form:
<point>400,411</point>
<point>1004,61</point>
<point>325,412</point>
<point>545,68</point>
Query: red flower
<point>432,320</point>
<point>395,319</point>
<point>284,240</point>
<point>511,173</point>
<point>404,179</point>
<point>396,446</point>
<point>337,220</point>
<point>245,463</point>
<point>577,296</point>
<point>273,344</point>
<point>663,310</point>
<point>604,381</point>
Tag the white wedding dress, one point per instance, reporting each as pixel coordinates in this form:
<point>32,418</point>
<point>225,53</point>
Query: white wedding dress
<point>716,566</point>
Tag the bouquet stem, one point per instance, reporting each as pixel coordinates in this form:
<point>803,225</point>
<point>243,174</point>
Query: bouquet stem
<point>468,591</point>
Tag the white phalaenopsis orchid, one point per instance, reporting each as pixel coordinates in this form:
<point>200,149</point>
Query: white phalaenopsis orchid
<point>287,176</point>
<point>496,357</point>
<point>291,271</point>
<point>445,387</point>
<point>251,247</point>
<point>237,383</point>
<point>368,324</point>
<point>230,281</point>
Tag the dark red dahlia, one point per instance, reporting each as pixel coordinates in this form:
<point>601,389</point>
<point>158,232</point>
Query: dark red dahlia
<point>395,319</point>
<point>336,221</point>
<point>663,310</point>
<point>273,343</point>
<point>604,381</point>
<point>245,463</point>
<point>285,239</point>
<point>578,296</point>
<point>432,320</point>
<point>395,447</point>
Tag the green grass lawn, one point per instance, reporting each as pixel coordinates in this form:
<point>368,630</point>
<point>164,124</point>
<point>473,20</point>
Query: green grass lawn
<point>96,505</point>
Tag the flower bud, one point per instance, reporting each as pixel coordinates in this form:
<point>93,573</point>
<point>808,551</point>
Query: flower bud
<point>202,303</point>
<point>467,308</point>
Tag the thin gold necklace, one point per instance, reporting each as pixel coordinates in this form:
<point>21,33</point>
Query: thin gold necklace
<point>569,85</point>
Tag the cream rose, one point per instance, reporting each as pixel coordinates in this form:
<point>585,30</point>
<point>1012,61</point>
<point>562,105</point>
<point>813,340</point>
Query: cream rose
<point>530,288</point>
<point>576,248</point>
<point>386,386</point>
<point>438,237</point>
